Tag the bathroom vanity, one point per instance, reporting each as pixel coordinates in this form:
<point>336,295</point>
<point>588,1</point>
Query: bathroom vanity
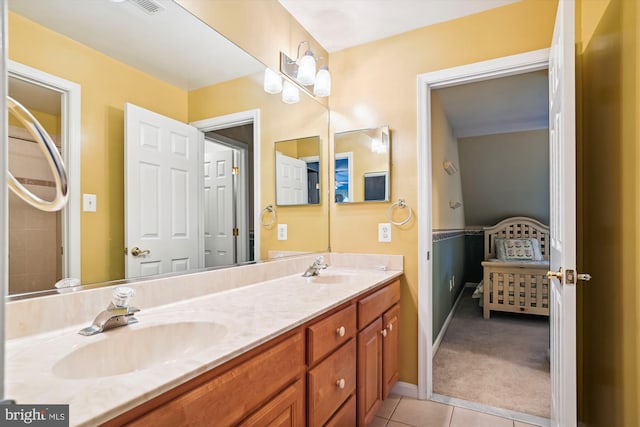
<point>290,350</point>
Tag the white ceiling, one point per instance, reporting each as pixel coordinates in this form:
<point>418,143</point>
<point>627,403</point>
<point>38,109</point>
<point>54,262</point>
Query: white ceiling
<point>508,104</point>
<point>339,24</point>
<point>171,45</point>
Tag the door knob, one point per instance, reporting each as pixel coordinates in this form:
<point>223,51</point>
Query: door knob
<point>136,251</point>
<point>555,274</point>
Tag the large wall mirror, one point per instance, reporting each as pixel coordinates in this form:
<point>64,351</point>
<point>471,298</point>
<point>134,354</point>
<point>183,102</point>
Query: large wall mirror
<point>362,165</point>
<point>298,171</point>
<point>112,81</point>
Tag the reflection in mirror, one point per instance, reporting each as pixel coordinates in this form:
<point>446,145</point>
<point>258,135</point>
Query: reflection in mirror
<point>178,68</point>
<point>362,165</point>
<point>298,171</point>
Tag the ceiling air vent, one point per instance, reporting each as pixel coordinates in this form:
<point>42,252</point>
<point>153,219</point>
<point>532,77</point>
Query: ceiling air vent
<point>149,6</point>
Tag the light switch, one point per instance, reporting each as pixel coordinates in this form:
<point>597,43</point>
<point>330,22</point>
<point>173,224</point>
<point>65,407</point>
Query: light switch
<point>282,231</point>
<point>384,232</point>
<point>89,202</point>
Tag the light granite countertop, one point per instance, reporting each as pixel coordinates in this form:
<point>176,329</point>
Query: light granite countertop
<point>248,316</point>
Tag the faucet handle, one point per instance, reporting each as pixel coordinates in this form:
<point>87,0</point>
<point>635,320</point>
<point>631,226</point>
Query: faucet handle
<point>122,295</point>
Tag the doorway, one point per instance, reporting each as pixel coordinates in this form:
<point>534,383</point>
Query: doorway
<point>533,61</point>
<point>52,238</point>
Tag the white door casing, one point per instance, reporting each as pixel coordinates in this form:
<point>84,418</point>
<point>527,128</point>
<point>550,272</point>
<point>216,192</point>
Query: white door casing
<point>161,193</point>
<point>500,67</point>
<point>562,181</point>
<point>219,208</point>
<point>291,180</point>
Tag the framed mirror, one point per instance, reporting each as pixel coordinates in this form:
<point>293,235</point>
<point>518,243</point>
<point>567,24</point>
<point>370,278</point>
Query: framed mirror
<point>362,163</point>
<point>200,79</point>
<point>298,171</point>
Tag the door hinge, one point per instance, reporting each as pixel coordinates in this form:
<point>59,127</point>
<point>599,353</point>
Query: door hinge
<point>428,255</point>
<point>236,232</point>
<point>236,170</point>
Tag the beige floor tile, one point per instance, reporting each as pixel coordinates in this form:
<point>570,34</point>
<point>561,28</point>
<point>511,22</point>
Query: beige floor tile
<point>388,406</point>
<point>378,422</point>
<point>467,418</point>
<point>422,413</point>
<point>521,424</point>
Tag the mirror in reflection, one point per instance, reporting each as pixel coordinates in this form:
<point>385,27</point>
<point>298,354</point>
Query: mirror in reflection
<point>298,171</point>
<point>213,86</point>
<point>362,164</point>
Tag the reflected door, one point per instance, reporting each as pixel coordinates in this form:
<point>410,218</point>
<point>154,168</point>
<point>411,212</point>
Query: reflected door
<point>161,193</point>
<point>219,210</point>
<point>291,180</point>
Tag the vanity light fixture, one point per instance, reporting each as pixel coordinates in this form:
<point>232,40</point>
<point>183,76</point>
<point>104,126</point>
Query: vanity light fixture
<point>290,93</point>
<point>302,71</point>
<point>272,81</point>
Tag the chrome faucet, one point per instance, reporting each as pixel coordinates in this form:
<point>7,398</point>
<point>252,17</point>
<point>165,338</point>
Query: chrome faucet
<point>314,269</point>
<point>117,314</point>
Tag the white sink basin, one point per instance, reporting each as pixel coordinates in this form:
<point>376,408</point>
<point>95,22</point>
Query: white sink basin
<point>332,277</point>
<point>128,349</point>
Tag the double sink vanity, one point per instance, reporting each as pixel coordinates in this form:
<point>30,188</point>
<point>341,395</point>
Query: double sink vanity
<point>254,345</point>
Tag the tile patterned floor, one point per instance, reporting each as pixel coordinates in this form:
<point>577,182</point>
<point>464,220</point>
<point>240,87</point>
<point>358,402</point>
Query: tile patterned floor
<point>399,411</point>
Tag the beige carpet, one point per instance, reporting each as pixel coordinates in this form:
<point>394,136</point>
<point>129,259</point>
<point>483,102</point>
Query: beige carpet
<point>501,362</point>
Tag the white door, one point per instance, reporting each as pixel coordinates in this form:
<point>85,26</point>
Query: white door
<point>563,218</point>
<point>219,208</point>
<point>291,181</point>
<point>161,193</point>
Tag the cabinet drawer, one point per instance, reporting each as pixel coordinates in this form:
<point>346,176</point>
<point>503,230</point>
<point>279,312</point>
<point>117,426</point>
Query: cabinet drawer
<point>377,303</point>
<point>330,333</point>
<point>233,394</point>
<point>331,383</point>
<point>346,416</point>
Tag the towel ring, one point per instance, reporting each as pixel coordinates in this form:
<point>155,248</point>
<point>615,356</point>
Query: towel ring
<point>401,204</point>
<point>268,209</point>
<point>53,158</point>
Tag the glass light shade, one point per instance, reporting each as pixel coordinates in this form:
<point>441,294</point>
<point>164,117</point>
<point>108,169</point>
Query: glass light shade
<point>322,86</point>
<point>290,93</point>
<point>272,81</point>
<point>307,69</point>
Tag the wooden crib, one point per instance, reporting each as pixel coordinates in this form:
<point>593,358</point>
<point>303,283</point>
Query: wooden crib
<point>514,285</point>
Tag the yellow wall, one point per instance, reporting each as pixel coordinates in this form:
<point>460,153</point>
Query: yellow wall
<point>375,84</point>
<point>263,28</point>
<point>608,61</point>
<point>445,187</point>
<point>106,86</point>
<point>308,228</point>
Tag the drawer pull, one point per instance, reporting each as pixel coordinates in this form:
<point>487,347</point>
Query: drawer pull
<point>340,383</point>
<point>384,332</point>
<point>341,331</point>
<point>390,327</point>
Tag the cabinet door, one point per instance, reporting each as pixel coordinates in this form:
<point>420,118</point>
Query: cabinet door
<point>284,410</point>
<point>369,393</point>
<point>390,349</point>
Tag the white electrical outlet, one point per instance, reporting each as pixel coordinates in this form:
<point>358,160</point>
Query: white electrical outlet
<point>282,231</point>
<point>89,202</point>
<point>384,232</point>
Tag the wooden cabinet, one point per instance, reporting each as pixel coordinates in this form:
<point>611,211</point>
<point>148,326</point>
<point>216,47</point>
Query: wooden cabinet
<point>231,395</point>
<point>284,410</point>
<point>378,349</point>
<point>333,371</point>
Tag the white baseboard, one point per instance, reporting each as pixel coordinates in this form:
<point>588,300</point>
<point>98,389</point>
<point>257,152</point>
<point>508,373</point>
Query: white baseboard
<point>405,389</point>
<point>443,330</point>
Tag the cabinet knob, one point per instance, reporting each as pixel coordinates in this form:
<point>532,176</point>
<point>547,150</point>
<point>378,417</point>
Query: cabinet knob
<point>390,327</point>
<point>384,332</point>
<point>341,383</point>
<point>341,331</point>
